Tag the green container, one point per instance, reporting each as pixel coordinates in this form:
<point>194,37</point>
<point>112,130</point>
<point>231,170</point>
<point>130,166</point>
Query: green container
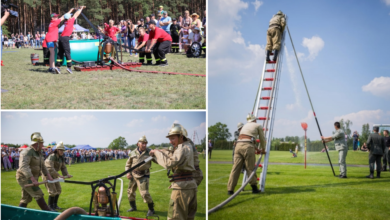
<point>82,50</point>
<point>9,212</point>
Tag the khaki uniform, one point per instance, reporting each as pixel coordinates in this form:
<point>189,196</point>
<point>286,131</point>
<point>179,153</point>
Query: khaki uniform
<point>244,153</point>
<point>31,163</point>
<point>339,143</point>
<point>54,163</point>
<point>274,33</point>
<point>183,202</point>
<point>140,176</point>
<point>197,174</point>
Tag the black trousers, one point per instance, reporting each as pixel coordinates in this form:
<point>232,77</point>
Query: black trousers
<point>210,153</point>
<point>372,159</point>
<point>64,49</point>
<point>175,39</point>
<point>46,55</point>
<point>159,51</point>
<point>142,55</point>
<point>386,158</point>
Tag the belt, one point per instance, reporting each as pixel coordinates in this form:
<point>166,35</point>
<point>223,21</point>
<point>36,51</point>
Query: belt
<point>141,173</point>
<point>275,25</point>
<point>244,136</point>
<point>181,177</point>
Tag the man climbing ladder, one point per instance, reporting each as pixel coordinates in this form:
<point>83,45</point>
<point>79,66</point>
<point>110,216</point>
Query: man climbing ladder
<point>274,34</point>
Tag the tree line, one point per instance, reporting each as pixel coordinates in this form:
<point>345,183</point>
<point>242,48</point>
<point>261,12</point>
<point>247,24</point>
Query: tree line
<point>34,15</point>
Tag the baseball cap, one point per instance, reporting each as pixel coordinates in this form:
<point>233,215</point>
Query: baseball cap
<point>174,19</point>
<point>161,6</point>
<point>54,15</point>
<point>164,13</point>
<point>141,19</point>
<point>67,15</point>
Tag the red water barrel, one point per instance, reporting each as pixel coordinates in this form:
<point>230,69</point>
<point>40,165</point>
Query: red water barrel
<point>34,58</point>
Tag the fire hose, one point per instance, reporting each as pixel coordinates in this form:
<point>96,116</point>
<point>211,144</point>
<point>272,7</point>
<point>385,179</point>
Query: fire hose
<point>148,71</point>
<point>216,208</point>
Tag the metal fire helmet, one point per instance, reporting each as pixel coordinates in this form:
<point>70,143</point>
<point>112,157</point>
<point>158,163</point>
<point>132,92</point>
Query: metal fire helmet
<point>240,125</point>
<point>279,12</point>
<point>36,138</point>
<point>176,129</point>
<point>250,118</point>
<point>60,146</point>
<point>143,139</point>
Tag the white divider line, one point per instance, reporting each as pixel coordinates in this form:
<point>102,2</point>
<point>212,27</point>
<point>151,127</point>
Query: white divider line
<point>157,171</point>
<point>218,178</point>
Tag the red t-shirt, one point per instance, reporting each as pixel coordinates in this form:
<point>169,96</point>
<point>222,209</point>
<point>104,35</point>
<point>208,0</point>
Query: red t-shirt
<point>68,27</point>
<point>44,43</point>
<point>52,34</point>
<point>143,38</point>
<point>160,35</point>
<point>111,31</point>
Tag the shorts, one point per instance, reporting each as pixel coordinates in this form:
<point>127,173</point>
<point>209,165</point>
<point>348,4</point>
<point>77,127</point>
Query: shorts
<point>50,44</point>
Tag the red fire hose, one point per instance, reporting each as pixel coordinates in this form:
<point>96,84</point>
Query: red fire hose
<point>148,71</point>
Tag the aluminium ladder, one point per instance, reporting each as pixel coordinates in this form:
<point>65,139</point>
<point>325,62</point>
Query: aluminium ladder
<point>265,104</point>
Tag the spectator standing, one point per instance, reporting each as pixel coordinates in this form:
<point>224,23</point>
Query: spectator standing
<point>131,36</point>
<point>6,162</point>
<point>37,39</point>
<point>204,25</point>
<point>147,20</point>
<point>153,18</point>
<point>196,23</point>
<point>355,137</point>
<point>13,157</point>
<point>158,21</point>
<point>174,30</point>
<point>210,148</point>
<point>43,36</point>
<point>124,34</point>
<point>165,22</point>
<point>386,156</point>
<point>160,10</point>
<point>180,20</point>
<point>376,146</point>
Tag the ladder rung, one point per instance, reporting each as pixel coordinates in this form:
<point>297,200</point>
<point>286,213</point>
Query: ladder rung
<point>262,118</point>
<point>265,98</point>
<point>269,79</point>
<point>264,129</point>
<point>263,107</point>
<point>270,70</point>
<point>271,54</point>
<point>271,62</point>
<point>267,88</point>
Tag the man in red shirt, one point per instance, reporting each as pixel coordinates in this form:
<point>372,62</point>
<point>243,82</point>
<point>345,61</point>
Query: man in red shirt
<point>110,30</point>
<point>160,41</point>
<point>52,37</point>
<point>63,43</point>
<point>142,40</point>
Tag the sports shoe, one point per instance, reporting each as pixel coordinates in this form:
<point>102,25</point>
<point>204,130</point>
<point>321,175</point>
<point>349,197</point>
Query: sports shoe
<point>69,70</point>
<point>57,70</point>
<point>51,70</point>
<point>164,64</point>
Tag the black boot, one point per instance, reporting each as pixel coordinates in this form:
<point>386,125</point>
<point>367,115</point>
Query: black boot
<point>157,63</point>
<point>371,176</point>
<point>230,192</point>
<point>24,205</point>
<point>268,53</point>
<point>133,206</point>
<point>55,206</point>
<point>275,55</point>
<point>384,168</point>
<point>378,174</point>
<point>255,189</point>
<point>51,201</point>
<point>42,204</point>
<point>151,209</point>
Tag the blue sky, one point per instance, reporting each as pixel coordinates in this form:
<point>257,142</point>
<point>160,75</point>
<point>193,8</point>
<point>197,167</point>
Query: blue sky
<point>97,129</point>
<point>343,48</point>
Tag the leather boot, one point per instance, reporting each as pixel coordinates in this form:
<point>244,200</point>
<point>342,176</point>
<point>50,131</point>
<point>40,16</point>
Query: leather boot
<point>371,176</point>
<point>267,58</point>
<point>24,205</point>
<point>133,206</point>
<point>151,209</point>
<point>42,204</point>
<point>255,189</point>
<point>378,174</point>
<point>230,192</point>
<point>55,206</point>
<point>50,202</point>
<point>275,55</point>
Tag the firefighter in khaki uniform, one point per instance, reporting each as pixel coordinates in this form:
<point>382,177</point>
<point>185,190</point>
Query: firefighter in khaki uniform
<point>139,178</point>
<point>183,202</point>
<point>197,174</point>
<point>274,34</point>
<point>30,167</point>
<point>54,163</point>
<point>244,153</point>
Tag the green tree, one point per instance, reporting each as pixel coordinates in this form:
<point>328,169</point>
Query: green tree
<point>365,132</point>
<point>119,143</point>
<point>219,131</point>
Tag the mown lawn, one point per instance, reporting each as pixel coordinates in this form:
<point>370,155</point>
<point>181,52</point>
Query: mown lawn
<point>32,87</point>
<point>291,192</point>
<point>79,195</point>
<point>353,157</point>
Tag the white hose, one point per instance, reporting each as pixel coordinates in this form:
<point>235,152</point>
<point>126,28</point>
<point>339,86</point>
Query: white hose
<point>120,195</point>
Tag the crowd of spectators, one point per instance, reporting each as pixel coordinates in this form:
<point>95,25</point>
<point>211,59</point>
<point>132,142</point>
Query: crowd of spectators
<point>23,41</point>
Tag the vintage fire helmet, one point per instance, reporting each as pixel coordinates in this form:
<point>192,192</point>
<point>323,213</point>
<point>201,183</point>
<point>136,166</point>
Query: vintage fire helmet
<point>36,138</point>
<point>143,139</point>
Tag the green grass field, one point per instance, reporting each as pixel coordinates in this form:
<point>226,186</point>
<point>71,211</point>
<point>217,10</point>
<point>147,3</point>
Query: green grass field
<point>31,87</point>
<point>79,195</point>
<point>291,192</point>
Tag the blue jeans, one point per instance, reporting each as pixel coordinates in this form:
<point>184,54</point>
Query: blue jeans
<point>131,43</point>
<point>37,43</point>
<point>355,145</point>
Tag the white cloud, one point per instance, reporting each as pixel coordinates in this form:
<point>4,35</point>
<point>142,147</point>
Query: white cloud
<point>287,127</point>
<point>294,82</point>
<point>158,118</point>
<point>134,122</point>
<point>22,114</point>
<point>257,4</point>
<point>379,86</point>
<point>387,2</point>
<point>365,116</point>
<point>314,45</point>
<point>8,116</point>
<point>74,120</point>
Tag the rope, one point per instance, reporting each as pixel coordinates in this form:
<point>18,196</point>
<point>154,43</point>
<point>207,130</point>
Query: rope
<point>307,91</point>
